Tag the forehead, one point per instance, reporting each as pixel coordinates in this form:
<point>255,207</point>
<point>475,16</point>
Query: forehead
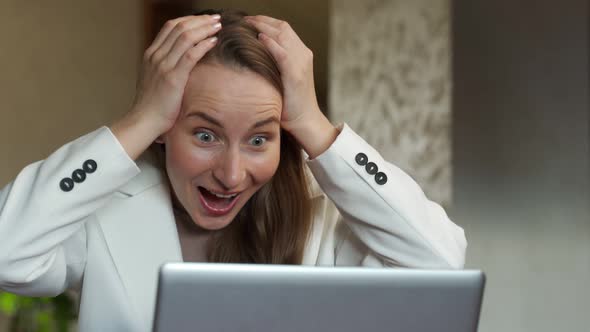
<point>215,87</point>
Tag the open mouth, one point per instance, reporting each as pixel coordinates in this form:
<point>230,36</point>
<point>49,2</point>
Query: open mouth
<point>216,203</point>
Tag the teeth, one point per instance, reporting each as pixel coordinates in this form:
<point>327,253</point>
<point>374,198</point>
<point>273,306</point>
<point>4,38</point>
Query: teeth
<point>221,195</point>
<point>224,196</point>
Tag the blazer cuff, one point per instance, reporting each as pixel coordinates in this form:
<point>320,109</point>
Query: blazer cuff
<point>347,146</point>
<point>97,159</point>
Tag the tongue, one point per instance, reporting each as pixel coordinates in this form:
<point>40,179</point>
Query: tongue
<point>214,201</point>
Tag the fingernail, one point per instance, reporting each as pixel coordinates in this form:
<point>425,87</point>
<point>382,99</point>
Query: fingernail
<point>216,25</point>
<point>213,40</point>
<point>216,16</point>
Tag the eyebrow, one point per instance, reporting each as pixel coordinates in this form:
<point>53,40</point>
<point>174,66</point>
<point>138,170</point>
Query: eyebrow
<point>216,122</point>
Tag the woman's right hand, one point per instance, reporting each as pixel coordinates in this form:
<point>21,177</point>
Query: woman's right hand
<point>166,66</point>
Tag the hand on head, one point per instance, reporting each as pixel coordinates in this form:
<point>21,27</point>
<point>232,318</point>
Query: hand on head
<point>167,63</point>
<point>295,62</point>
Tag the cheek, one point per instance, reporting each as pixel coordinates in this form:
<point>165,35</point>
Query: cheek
<point>184,160</point>
<point>265,166</point>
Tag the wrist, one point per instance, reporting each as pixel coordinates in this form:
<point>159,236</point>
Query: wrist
<point>315,133</point>
<point>136,132</point>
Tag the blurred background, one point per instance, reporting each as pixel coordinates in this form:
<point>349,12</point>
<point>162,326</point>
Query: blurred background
<point>484,103</point>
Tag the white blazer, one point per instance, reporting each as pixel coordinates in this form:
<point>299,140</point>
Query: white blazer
<point>109,234</point>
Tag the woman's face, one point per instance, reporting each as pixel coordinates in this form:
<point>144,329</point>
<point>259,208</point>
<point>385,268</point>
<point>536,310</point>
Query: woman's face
<point>225,144</point>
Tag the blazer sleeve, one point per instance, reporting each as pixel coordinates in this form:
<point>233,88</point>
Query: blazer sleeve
<point>385,209</point>
<point>44,209</point>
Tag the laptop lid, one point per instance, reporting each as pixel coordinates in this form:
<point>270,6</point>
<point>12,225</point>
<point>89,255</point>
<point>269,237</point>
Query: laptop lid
<point>246,297</point>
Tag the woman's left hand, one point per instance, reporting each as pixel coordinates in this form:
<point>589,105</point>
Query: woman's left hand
<point>301,115</point>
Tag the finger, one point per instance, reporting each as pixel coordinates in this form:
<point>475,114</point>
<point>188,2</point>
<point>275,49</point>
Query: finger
<point>187,40</point>
<point>196,53</point>
<point>266,28</point>
<point>267,19</point>
<point>193,22</point>
<point>278,52</point>
<point>168,26</point>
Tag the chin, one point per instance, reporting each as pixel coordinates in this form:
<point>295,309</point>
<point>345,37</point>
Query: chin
<point>212,223</point>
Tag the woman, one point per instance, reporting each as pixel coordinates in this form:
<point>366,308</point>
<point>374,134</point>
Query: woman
<point>227,112</point>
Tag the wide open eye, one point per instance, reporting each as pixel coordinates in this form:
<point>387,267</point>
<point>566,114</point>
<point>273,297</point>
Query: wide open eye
<point>258,140</point>
<point>205,137</point>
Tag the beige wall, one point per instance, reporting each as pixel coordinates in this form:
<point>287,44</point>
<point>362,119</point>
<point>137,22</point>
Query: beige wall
<point>67,67</point>
<point>389,79</point>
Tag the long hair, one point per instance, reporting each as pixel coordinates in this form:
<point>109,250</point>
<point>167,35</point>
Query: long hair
<point>273,226</point>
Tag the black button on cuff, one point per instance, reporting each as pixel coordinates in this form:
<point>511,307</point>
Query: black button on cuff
<point>66,184</point>
<point>381,178</point>
<point>371,168</point>
<point>79,176</point>
<point>89,166</point>
<point>361,159</point>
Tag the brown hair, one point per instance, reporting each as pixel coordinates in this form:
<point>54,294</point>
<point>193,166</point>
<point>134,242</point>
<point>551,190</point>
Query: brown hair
<point>274,225</point>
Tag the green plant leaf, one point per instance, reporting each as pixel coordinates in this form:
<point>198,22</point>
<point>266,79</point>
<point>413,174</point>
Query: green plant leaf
<point>44,321</point>
<point>8,303</point>
<point>26,302</point>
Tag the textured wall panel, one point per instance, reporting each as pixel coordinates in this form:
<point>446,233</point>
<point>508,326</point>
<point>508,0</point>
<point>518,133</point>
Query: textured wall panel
<point>390,81</point>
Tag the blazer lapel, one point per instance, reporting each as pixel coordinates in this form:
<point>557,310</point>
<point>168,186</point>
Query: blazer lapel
<point>141,235</point>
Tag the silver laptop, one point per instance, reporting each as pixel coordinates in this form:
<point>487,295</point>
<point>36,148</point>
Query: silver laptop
<point>259,298</point>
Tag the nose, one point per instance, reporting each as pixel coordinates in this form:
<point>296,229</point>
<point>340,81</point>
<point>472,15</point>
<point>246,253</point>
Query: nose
<point>229,171</point>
